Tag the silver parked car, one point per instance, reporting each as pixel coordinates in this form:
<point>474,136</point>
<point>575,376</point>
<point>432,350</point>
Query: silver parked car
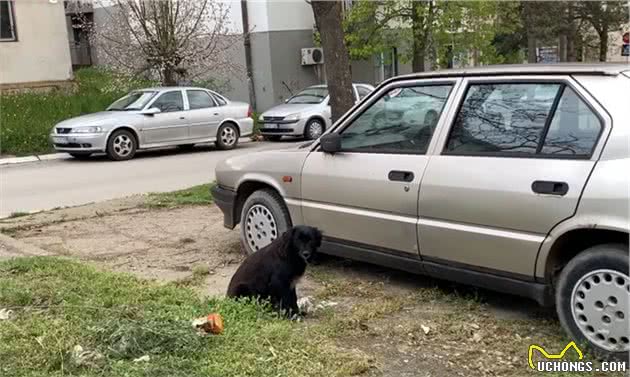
<point>305,114</point>
<point>512,178</point>
<point>155,117</point>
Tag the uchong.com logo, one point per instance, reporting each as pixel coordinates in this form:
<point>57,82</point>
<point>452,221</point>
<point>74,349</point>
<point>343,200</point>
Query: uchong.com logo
<point>557,363</point>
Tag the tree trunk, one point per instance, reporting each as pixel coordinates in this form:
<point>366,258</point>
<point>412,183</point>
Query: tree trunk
<point>168,76</point>
<point>530,27</point>
<point>328,19</point>
<point>419,37</point>
<point>571,34</point>
<point>603,45</point>
<point>562,47</point>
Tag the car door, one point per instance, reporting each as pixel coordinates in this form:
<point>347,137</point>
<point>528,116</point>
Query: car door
<point>170,124</point>
<point>203,116</point>
<point>367,193</point>
<point>512,166</point>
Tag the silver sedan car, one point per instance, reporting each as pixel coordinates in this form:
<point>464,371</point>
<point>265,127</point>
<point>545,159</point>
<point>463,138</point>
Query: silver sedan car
<point>305,114</point>
<point>155,117</point>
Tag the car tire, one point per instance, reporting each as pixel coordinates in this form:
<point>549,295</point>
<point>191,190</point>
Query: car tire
<point>593,298</point>
<point>264,218</point>
<point>314,128</point>
<point>227,136</point>
<point>272,137</point>
<point>121,145</point>
<point>81,156</point>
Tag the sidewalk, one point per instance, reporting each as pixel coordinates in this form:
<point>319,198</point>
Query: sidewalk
<point>34,158</point>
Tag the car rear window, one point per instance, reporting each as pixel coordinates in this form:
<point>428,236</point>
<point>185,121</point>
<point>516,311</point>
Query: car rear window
<point>523,119</point>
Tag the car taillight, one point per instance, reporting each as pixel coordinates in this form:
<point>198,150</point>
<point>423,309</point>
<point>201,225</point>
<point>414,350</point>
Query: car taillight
<point>250,112</point>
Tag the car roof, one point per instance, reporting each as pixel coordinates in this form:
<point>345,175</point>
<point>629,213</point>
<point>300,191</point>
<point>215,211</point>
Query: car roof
<point>164,88</point>
<point>607,69</point>
<point>325,86</point>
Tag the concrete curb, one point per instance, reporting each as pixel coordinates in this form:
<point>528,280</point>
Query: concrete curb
<point>60,156</point>
<point>34,158</point>
<point>11,247</point>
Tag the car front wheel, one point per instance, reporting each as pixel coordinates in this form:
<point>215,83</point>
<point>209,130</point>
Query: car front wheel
<point>593,300</point>
<point>314,129</point>
<point>264,218</point>
<point>121,145</point>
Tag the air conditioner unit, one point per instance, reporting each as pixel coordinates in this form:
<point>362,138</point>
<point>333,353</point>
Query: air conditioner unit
<point>311,56</point>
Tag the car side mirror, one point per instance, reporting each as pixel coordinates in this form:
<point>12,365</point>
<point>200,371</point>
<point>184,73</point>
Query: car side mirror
<point>331,143</point>
<point>151,111</point>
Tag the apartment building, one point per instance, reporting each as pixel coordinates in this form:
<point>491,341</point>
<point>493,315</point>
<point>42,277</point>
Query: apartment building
<point>33,45</point>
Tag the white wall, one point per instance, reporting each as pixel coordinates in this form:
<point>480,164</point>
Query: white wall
<point>279,15</point>
<point>41,52</point>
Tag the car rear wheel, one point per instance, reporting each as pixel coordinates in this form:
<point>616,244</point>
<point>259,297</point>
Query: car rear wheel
<point>121,146</point>
<point>272,137</point>
<point>227,136</point>
<point>314,129</point>
<point>81,156</point>
<point>264,218</point>
<point>593,300</point>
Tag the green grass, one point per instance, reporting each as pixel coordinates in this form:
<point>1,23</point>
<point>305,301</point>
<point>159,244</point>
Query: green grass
<point>196,195</point>
<point>59,304</point>
<point>27,118</point>
<point>18,214</point>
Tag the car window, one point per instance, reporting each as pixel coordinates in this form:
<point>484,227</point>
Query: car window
<point>170,101</point>
<point>219,100</point>
<point>502,119</point>
<point>312,95</point>
<point>401,121</point>
<point>363,91</point>
<point>199,99</point>
<point>574,128</point>
<point>132,101</point>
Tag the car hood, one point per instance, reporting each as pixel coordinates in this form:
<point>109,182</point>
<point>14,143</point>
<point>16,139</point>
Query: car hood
<point>102,118</point>
<point>267,166</point>
<point>291,108</point>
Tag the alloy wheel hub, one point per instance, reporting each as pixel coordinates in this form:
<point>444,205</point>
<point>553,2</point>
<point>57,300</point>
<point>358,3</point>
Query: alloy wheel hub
<point>599,304</point>
<point>122,145</point>
<point>228,136</point>
<point>260,227</point>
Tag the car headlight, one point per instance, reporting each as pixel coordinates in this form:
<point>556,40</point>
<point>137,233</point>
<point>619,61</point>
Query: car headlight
<point>261,118</point>
<point>87,130</point>
<point>292,117</point>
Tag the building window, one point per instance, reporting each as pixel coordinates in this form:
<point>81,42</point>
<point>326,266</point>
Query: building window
<point>7,21</point>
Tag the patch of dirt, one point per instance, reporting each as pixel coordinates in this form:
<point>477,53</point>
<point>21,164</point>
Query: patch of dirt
<point>163,244</point>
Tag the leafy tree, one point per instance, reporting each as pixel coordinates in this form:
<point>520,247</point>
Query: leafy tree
<point>604,17</point>
<point>433,30</point>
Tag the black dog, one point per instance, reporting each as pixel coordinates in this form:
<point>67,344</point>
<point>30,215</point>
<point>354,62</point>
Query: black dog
<point>272,272</point>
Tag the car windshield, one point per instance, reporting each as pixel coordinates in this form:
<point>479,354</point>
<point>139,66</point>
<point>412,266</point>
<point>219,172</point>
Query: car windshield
<point>132,101</point>
<point>310,95</point>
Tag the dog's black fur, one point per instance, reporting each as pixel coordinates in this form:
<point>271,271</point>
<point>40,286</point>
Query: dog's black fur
<point>272,272</point>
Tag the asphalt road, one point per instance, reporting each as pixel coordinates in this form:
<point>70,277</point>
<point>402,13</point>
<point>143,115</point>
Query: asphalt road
<point>49,184</point>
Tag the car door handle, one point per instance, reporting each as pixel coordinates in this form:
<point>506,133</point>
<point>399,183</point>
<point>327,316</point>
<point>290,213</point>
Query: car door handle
<point>550,187</point>
<point>401,176</point>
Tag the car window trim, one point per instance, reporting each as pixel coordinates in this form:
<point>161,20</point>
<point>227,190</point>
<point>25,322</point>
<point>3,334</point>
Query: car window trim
<point>563,82</point>
<point>382,92</point>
